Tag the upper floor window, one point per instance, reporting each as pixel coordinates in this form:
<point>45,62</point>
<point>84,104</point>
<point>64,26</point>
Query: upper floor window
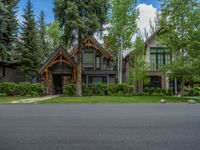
<point>98,61</point>
<point>88,59</point>
<point>159,57</point>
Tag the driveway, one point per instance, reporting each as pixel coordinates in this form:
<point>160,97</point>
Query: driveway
<point>100,127</point>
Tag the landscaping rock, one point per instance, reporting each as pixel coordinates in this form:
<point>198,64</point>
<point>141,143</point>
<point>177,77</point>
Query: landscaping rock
<point>163,101</point>
<point>191,101</point>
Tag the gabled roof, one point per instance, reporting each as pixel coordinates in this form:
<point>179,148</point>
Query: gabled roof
<point>92,42</point>
<point>149,39</point>
<point>58,50</point>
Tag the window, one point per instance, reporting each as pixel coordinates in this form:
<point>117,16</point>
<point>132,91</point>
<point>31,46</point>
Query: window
<point>155,81</point>
<point>4,71</point>
<point>97,79</point>
<point>159,57</point>
<point>98,61</point>
<point>88,59</point>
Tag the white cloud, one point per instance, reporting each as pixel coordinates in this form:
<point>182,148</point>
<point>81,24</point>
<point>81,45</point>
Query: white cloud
<point>147,13</point>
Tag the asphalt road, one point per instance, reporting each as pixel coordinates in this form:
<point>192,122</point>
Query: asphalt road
<point>100,127</point>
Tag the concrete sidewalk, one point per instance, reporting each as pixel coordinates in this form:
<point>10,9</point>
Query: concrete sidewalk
<point>34,100</point>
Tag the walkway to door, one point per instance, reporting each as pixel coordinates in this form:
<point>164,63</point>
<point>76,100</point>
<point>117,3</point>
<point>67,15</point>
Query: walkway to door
<point>34,100</point>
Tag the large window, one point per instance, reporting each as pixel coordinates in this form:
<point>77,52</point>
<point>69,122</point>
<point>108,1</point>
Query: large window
<point>155,81</point>
<point>88,59</point>
<point>97,79</point>
<point>159,57</point>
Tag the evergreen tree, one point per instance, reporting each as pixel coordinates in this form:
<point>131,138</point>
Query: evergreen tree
<point>8,27</point>
<point>30,52</point>
<point>45,50</point>
<point>82,18</point>
<point>122,28</point>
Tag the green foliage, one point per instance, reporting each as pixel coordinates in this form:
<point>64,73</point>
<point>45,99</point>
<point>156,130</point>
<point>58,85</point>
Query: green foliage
<point>54,34</point>
<point>80,16</point>
<point>9,88</point>
<point>3,95</point>
<point>181,21</point>
<point>122,22</point>
<point>70,90</point>
<point>24,88</point>
<point>138,71</point>
<point>80,19</point>
<point>44,45</point>
<point>154,91</point>
<point>170,92</point>
<point>100,89</point>
<point>8,27</point>
<point>30,52</point>
<point>194,91</point>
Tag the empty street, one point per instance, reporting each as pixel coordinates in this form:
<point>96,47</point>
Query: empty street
<point>100,127</point>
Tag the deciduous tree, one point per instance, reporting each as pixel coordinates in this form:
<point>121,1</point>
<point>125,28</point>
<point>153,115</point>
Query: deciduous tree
<point>122,27</point>
<point>138,73</point>
<point>181,20</point>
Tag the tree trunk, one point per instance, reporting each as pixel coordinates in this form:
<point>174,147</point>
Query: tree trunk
<point>182,88</point>
<point>79,67</point>
<point>120,59</point>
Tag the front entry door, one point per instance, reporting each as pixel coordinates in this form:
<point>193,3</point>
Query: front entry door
<point>58,84</point>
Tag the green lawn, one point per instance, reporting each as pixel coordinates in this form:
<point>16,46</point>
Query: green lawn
<point>5,100</point>
<point>113,99</point>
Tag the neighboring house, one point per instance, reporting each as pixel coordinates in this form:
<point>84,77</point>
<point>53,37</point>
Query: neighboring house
<point>8,72</point>
<point>156,55</point>
<point>60,68</point>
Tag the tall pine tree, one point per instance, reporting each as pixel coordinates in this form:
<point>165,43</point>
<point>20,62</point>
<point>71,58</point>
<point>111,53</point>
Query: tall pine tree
<point>83,18</point>
<point>8,27</point>
<point>45,50</point>
<point>30,52</point>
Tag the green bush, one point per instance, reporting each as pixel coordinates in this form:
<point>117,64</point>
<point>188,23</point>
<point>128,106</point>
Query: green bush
<point>33,89</point>
<point>3,95</point>
<point>170,92</point>
<point>157,94</point>
<point>9,88</point>
<point>194,91</point>
<point>24,88</point>
<point>154,91</point>
<point>100,89</point>
<point>70,90</point>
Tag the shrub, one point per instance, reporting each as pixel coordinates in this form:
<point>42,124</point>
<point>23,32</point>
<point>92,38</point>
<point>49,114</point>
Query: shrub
<point>70,90</point>
<point>9,88</point>
<point>154,91</point>
<point>33,89</point>
<point>157,94</point>
<point>3,95</point>
<point>194,91</point>
<point>24,88</point>
<point>100,89</point>
<point>170,92</point>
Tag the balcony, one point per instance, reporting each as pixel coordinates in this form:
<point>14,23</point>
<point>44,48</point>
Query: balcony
<point>98,69</point>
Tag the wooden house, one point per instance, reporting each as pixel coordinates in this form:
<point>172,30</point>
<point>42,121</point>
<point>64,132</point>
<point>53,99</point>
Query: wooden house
<point>60,68</point>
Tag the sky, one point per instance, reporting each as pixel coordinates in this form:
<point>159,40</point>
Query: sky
<point>147,9</point>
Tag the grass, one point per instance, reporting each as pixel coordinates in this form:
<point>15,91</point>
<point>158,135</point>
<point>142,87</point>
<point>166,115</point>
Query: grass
<point>113,99</point>
<point>8,99</point>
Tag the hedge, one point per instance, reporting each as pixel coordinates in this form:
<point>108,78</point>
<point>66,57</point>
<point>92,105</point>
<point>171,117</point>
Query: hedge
<point>22,89</point>
<point>100,89</point>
